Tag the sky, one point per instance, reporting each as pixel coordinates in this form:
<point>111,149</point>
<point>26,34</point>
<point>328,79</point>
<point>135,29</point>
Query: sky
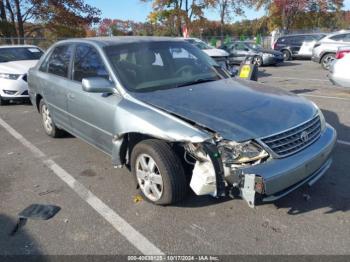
<point>138,11</point>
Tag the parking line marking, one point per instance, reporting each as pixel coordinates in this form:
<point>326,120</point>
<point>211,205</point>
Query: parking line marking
<point>326,97</point>
<point>295,78</point>
<point>342,142</point>
<point>124,228</point>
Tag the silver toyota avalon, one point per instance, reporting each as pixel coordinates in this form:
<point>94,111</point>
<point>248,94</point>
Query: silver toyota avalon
<point>177,120</point>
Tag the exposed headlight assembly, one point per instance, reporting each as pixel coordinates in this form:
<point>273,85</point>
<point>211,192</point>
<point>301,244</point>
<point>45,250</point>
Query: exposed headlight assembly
<point>241,153</point>
<point>9,76</point>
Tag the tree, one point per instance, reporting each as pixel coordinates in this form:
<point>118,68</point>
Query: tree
<point>227,8</point>
<point>177,13</point>
<point>63,17</point>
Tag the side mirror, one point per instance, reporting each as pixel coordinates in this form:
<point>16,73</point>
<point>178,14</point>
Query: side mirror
<point>97,85</point>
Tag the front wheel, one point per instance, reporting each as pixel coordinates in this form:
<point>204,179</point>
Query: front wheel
<point>47,122</point>
<point>257,60</point>
<point>327,60</point>
<point>159,173</point>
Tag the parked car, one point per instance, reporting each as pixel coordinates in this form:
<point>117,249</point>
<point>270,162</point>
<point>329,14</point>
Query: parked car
<point>240,50</point>
<point>297,46</point>
<point>173,119</point>
<point>325,50</point>
<point>219,55</point>
<point>339,69</point>
<point>15,62</point>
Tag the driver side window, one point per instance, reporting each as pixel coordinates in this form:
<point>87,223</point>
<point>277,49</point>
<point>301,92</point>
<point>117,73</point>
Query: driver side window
<point>88,63</point>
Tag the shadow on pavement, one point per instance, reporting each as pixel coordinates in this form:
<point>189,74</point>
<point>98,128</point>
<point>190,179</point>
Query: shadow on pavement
<point>302,91</point>
<point>331,191</point>
<point>288,64</point>
<point>19,245</point>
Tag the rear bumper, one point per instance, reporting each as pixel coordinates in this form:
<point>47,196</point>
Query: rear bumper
<point>272,60</point>
<point>282,176</point>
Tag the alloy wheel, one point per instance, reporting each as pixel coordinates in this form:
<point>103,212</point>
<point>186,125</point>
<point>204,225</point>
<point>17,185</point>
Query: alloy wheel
<point>149,177</point>
<point>47,120</point>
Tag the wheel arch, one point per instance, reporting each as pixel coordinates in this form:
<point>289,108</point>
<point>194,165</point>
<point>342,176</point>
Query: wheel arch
<point>38,98</point>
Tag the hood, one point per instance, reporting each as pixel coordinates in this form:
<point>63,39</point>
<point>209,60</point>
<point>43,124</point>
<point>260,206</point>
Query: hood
<point>237,110</point>
<point>214,52</point>
<point>17,67</point>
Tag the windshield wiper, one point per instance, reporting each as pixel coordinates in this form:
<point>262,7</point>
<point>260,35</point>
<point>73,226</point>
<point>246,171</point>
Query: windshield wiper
<point>197,81</point>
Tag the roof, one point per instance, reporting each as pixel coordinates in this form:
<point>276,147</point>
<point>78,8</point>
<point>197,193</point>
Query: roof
<point>303,34</point>
<point>115,40</point>
<point>16,46</point>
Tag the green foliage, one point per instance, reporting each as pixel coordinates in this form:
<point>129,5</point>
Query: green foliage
<point>213,41</point>
<point>258,39</point>
<point>227,40</point>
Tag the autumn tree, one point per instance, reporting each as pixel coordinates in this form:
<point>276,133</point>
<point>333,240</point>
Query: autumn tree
<point>227,9</point>
<point>176,13</point>
<point>62,17</point>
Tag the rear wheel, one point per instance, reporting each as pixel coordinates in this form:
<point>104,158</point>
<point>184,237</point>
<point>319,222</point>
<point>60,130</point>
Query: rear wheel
<point>287,56</point>
<point>327,60</point>
<point>158,172</point>
<point>47,122</point>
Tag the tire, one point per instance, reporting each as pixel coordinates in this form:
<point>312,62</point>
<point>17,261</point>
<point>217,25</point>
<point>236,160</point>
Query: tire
<point>257,60</point>
<point>287,56</point>
<point>166,177</point>
<point>327,60</point>
<point>47,122</point>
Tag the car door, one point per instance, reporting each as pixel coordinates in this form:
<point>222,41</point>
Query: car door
<point>55,82</point>
<point>296,43</point>
<point>92,114</point>
<point>240,52</point>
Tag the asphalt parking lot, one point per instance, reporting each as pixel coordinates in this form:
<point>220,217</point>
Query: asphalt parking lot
<point>99,214</point>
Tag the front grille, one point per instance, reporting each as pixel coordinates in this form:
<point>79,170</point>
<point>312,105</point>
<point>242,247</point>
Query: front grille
<point>294,140</point>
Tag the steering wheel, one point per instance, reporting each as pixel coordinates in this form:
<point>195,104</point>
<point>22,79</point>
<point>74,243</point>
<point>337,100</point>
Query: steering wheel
<point>184,69</point>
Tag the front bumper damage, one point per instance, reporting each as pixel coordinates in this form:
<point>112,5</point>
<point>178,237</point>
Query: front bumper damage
<point>266,181</point>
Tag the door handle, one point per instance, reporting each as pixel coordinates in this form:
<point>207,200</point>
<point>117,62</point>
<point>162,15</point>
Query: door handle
<point>71,96</point>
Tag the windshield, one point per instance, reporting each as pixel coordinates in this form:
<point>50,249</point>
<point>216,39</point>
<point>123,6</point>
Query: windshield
<point>150,66</point>
<point>19,53</point>
<point>200,44</point>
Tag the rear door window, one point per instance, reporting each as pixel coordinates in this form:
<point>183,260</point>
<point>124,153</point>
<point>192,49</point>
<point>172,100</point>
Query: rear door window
<point>59,60</point>
<point>88,63</point>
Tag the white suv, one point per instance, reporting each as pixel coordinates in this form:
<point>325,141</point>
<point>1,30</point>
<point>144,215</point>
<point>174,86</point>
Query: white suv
<point>15,61</point>
<point>324,51</point>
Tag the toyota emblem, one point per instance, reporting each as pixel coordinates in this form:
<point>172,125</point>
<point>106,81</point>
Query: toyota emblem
<point>304,136</point>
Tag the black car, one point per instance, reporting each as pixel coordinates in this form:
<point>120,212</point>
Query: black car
<point>240,50</point>
<point>297,46</point>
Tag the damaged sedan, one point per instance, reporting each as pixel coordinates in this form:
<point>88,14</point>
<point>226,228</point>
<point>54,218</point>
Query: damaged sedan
<point>176,119</point>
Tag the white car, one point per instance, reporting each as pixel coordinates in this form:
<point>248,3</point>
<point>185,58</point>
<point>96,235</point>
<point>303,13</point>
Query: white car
<point>15,62</point>
<point>219,55</point>
<point>325,49</point>
<point>339,70</point>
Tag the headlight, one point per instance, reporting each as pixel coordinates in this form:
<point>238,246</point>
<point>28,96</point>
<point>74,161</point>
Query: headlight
<point>241,153</point>
<point>323,120</point>
<point>268,55</point>
<point>320,114</point>
<point>9,76</point>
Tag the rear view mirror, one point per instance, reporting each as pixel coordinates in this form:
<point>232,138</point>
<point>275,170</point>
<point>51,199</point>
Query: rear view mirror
<point>97,85</point>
